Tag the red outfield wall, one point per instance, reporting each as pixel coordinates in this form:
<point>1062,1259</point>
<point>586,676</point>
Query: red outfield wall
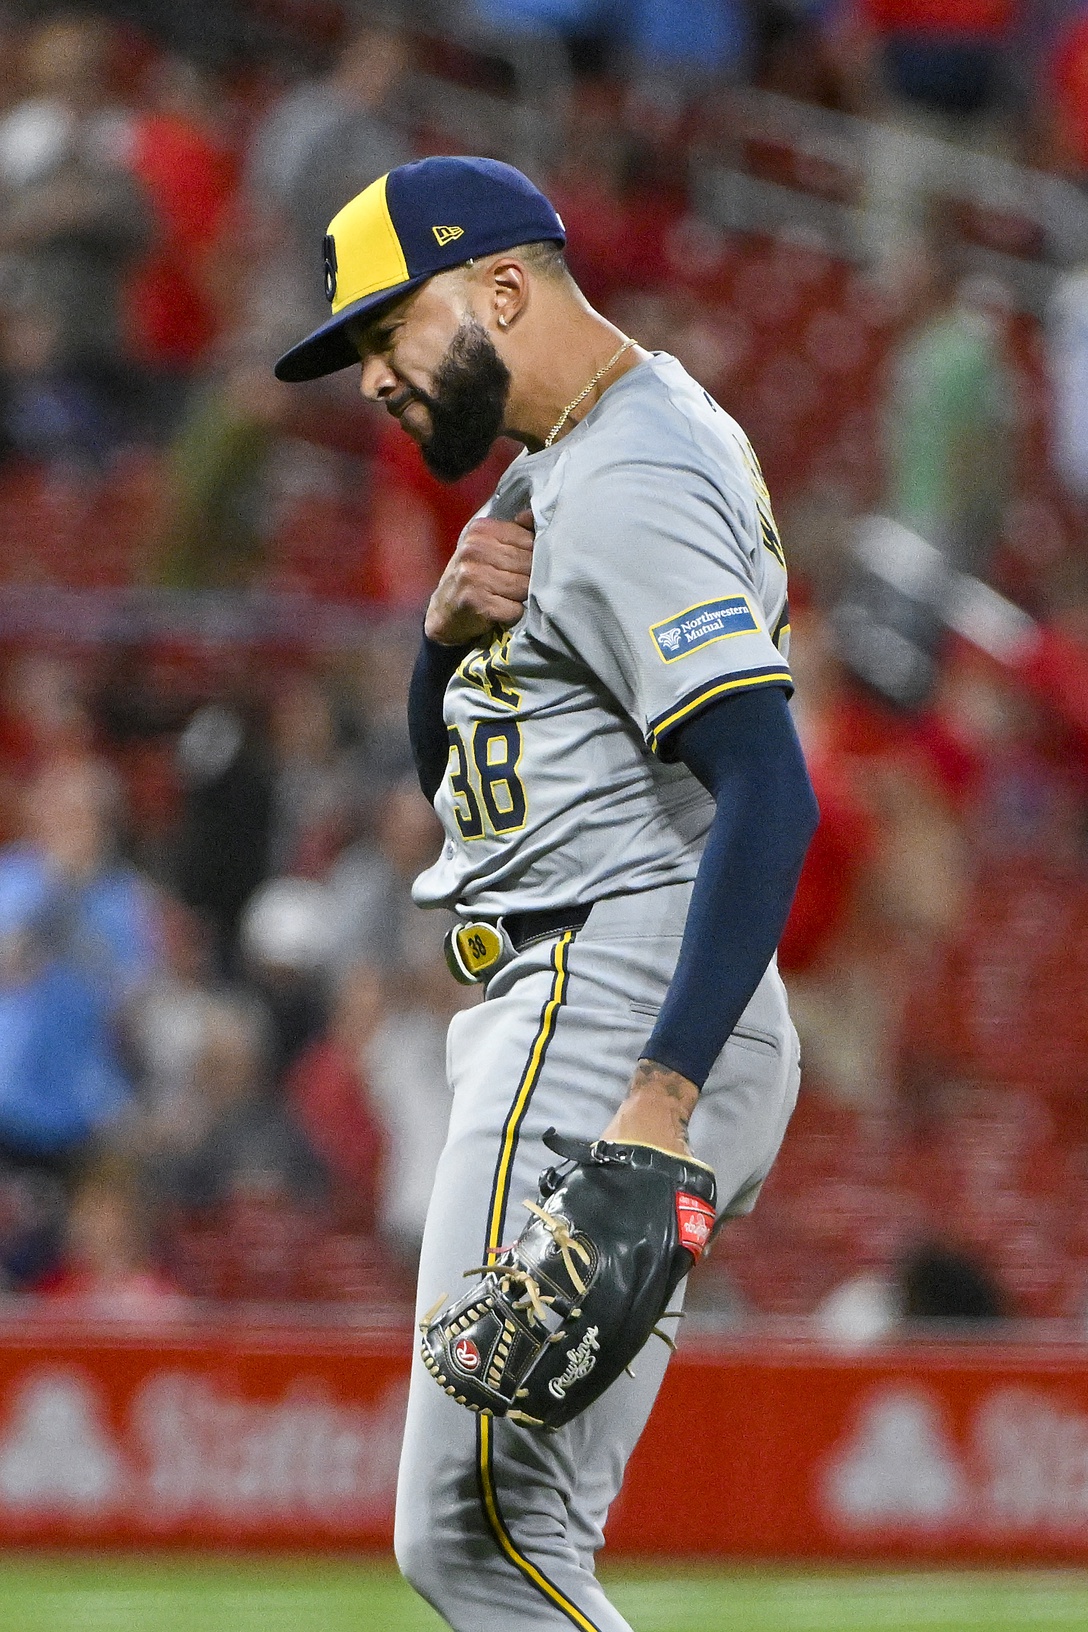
<point>289,1438</point>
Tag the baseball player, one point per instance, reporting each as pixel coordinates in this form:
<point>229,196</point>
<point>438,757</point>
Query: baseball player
<point>599,713</point>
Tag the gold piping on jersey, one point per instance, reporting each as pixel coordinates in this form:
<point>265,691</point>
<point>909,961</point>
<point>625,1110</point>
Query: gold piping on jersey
<point>495,1226</point>
<point>496,1220</point>
<point>740,682</point>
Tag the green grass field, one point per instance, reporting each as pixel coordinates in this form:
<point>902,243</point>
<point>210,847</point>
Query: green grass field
<point>125,1595</point>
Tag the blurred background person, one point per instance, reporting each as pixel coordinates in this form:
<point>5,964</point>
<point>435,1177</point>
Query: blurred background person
<point>235,1137</point>
<point>328,1091</point>
<point>107,1270</point>
<point>287,940</point>
<point>73,222</point>
<point>316,794</point>
<point>405,1059</point>
<point>370,885</point>
<point>79,941</point>
<point>951,405</point>
<point>327,138</point>
<point>169,1018</point>
<point>220,849</point>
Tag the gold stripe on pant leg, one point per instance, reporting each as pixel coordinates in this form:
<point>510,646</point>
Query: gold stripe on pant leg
<point>495,1225</point>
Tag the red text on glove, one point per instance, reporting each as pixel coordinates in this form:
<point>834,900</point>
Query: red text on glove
<point>695,1220</point>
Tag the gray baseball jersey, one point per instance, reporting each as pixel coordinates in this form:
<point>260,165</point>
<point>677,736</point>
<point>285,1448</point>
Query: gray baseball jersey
<point>658,584</point>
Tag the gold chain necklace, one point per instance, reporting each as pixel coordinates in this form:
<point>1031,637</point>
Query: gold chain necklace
<point>582,395</point>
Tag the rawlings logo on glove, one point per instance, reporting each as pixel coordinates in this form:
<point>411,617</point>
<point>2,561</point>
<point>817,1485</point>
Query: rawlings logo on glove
<point>555,1318</point>
<point>466,1354</point>
<point>582,1358</point>
<point>695,1221</point>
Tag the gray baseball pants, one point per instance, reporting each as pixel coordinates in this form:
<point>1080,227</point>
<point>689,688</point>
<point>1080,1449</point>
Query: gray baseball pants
<point>498,1526</point>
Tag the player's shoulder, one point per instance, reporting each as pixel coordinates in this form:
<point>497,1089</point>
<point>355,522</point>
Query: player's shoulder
<point>657,416</point>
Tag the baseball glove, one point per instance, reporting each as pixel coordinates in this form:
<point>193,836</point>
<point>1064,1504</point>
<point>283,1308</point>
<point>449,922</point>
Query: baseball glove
<point>557,1316</point>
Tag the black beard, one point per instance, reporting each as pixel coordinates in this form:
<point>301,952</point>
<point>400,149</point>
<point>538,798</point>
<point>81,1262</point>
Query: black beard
<point>468,407</point>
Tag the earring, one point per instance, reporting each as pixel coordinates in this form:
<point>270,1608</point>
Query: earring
<point>504,322</point>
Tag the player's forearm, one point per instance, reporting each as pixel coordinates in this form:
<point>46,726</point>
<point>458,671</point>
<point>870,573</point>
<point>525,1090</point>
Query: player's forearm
<point>426,726</point>
<point>657,1109</point>
<point>746,753</point>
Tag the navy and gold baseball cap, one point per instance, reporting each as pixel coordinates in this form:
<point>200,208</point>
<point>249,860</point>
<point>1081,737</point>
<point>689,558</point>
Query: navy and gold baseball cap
<point>420,219</point>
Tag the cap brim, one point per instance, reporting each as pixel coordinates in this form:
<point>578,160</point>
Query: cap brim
<point>330,348</point>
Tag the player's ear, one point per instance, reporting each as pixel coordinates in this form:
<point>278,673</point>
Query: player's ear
<point>508,290</point>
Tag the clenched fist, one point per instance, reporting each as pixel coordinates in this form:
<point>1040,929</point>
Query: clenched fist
<point>486,581</point>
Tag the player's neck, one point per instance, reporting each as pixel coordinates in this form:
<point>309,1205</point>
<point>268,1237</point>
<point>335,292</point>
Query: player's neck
<point>553,360</point>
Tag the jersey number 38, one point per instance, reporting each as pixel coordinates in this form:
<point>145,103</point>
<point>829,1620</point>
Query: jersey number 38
<point>496,750</point>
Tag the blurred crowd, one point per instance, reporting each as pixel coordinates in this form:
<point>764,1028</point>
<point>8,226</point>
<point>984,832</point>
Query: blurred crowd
<point>221,1020</point>
<point>222,1023</point>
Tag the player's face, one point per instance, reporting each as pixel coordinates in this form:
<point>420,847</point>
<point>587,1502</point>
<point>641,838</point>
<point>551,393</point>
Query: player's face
<point>433,365</point>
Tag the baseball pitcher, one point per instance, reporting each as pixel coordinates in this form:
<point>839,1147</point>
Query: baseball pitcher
<point>599,712</point>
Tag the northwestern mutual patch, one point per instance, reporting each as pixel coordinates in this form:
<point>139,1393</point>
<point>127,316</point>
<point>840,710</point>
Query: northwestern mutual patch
<point>699,625</point>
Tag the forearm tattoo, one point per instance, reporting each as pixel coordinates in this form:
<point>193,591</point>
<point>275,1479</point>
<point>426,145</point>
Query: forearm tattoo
<point>670,1085</point>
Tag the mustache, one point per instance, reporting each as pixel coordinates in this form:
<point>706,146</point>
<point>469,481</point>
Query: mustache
<point>396,405</point>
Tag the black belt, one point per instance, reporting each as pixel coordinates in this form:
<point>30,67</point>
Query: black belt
<point>524,928</point>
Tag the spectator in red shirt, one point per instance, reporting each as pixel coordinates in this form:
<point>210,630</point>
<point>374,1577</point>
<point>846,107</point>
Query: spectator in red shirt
<point>188,172</point>
<point>329,1097</point>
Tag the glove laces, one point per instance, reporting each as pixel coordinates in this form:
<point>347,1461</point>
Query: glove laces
<point>560,1232</point>
<point>509,1275</point>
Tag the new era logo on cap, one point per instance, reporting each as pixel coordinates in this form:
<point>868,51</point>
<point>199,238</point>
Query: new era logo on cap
<point>420,219</point>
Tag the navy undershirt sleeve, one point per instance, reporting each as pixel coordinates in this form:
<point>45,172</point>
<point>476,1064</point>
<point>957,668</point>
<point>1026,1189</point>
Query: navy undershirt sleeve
<point>426,727</point>
<point>745,751</point>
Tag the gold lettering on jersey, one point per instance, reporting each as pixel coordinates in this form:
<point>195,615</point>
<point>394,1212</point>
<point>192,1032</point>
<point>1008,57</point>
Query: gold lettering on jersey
<point>490,671</point>
<point>467,668</point>
<point>497,672</point>
<point>767,525</point>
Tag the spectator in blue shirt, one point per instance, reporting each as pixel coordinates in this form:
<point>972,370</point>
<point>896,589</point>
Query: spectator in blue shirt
<point>707,37</point>
<point>77,940</point>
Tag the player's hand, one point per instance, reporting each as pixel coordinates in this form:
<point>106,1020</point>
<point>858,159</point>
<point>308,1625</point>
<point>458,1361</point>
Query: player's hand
<point>486,581</point>
<point>656,1111</point>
